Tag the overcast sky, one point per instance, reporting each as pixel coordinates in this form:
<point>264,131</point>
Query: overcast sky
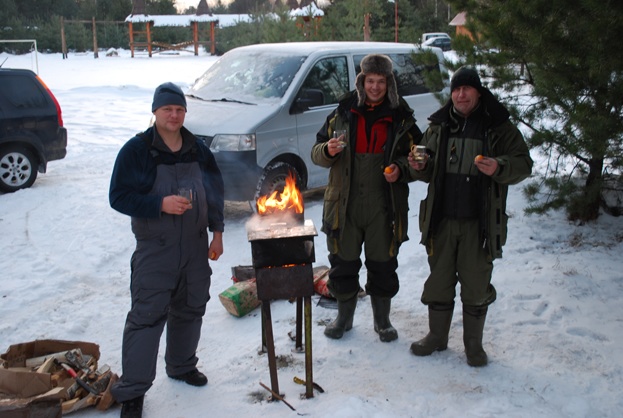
<point>184,4</point>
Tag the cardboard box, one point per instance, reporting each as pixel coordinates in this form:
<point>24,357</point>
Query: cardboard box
<point>28,394</point>
<point>35,407</point>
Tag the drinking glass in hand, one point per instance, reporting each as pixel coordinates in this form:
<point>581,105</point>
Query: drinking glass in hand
<point>188,194</point>
<point>341,133</point>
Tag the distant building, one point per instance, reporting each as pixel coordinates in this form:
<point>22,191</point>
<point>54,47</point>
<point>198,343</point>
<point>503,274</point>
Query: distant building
<point>459,22</point>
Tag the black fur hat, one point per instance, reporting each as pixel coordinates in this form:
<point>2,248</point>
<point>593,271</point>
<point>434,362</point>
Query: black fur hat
<point>382,65</point>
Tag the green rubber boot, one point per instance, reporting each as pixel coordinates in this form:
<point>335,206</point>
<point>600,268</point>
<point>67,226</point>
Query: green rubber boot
<point>473,325</point>
<point>380,309</point>
<point>439,321</point>
<point>344,320</point>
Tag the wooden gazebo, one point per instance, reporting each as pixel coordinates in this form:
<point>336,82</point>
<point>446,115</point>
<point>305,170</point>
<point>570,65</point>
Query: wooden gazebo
<point>141,26</point>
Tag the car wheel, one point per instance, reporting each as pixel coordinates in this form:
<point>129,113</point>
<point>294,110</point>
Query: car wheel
<point>17,168</point>
<point>274,178</point>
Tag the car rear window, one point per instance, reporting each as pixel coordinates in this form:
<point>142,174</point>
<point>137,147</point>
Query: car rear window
<point>21,92</point>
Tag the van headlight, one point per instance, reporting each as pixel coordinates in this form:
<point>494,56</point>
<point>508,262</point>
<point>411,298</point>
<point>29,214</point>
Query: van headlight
<point>233,143</point>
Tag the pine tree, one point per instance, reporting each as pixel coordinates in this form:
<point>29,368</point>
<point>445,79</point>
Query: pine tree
<point>559,63</point>
<point>344,20</point>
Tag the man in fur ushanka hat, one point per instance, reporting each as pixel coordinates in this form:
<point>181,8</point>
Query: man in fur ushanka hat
<point>379,65</point>
<point>365,142</point>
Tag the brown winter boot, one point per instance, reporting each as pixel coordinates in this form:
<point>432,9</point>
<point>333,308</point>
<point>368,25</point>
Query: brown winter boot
<point>344,320</point>
<point>380,310</point>
<point>473,326</point>
<point>439,320</point>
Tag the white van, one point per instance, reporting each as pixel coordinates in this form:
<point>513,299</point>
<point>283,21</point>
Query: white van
<point>259,107</point>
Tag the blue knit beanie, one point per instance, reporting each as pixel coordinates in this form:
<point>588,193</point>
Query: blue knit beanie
<point>168,94</point>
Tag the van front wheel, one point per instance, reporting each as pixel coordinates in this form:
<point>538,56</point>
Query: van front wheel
<point>274,178</point>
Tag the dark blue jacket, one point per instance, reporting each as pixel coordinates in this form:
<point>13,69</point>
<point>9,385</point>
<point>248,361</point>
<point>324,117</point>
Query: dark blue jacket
<point>135,171</point>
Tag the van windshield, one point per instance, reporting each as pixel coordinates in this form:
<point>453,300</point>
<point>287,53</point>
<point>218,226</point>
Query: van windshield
<point>249,77</point>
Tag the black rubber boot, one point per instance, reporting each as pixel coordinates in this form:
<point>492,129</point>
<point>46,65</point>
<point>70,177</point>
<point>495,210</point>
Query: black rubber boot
<point>132,408</point>
<point>380,309</point>
<point>344,320</point>
<point>439,320</point>
<point>473,326</point>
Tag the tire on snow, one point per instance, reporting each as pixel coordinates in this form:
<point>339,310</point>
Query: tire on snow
<point>274,178</point>
<point>18,168</point>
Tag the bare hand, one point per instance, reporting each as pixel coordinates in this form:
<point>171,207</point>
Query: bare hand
<point>335,145</point>
<point>175,205</point>
<point>216,246</point>
<point>391,173</point>
<point>486,165</point>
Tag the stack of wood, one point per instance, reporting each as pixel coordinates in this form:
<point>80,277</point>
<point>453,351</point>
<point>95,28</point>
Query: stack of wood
<point>83,384</point>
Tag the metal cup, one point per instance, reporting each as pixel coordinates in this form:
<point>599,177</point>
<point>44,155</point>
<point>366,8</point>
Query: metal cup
<point>418,152</point>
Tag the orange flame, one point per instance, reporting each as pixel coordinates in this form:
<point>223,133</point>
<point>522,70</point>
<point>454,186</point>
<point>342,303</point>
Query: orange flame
<point>288,200</point>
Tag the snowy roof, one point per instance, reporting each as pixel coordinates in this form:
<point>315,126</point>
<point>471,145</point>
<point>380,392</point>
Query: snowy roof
<point>222,19</point>
<point>311,10</point>
<point>171,20</point>
<point>232,19</point>
<point>459,20</point>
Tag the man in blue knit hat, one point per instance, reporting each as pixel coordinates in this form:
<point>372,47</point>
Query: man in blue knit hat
<point>170,268</point>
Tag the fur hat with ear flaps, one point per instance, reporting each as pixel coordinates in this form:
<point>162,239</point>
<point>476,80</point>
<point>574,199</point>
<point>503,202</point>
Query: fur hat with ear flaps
<point>382,65</point>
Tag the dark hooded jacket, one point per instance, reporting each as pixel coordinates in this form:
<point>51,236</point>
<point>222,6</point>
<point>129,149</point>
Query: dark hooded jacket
<point>404,134</point>
<point>500,140</point>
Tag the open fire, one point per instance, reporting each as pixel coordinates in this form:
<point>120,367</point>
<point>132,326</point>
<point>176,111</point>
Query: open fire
<point>282,249</point>
<point>289,200</point>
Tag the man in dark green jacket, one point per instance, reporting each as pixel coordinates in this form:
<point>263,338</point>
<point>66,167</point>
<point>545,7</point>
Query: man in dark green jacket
<point>366,200</point>
<point>473,154</point>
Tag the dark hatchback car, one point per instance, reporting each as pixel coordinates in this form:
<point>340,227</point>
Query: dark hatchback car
<point>440,42</point>
<point>31,129</point>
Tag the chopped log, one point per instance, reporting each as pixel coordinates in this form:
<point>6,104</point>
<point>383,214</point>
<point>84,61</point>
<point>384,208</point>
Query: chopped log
<point>67,406</point>
<point>47,366</point>
<point>240,298</point>
<point>77,403</point>
<point>38,361</point>
<point>106,399</point>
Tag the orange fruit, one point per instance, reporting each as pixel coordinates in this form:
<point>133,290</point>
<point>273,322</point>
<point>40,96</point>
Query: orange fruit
<point>479,157</point>
<point>388,169</point>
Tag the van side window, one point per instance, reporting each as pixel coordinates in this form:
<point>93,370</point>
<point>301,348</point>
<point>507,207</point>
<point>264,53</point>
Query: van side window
<point>409,75</point>
<point>330,76</point>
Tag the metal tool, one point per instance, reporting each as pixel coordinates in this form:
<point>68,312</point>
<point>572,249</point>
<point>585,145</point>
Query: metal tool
<point>74,375</point>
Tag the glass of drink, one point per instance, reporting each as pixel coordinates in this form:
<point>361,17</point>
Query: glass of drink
<point>187,193</point>
<point>340,133</point>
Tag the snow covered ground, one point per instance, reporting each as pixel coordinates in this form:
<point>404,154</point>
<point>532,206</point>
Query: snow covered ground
<point>553,337</point>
